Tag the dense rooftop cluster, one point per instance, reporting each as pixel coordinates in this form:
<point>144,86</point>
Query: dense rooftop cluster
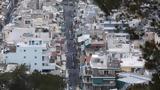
<point>92,44</point>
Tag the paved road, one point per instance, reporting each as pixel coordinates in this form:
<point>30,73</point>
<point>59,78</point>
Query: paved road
<point>71,53</point>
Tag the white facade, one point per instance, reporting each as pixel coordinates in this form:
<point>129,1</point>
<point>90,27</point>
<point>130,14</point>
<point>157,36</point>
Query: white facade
<point>33,54</point>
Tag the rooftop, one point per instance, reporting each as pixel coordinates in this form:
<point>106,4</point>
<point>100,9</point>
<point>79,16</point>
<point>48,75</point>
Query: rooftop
<point>22,44</point>
<point>132,78</point>
<point>132,61</point>
<point>103,62</point>
<point>114,22</point>
<point>124,48</point>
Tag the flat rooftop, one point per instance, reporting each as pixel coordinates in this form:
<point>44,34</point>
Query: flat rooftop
<point>132,61</point>
<point>103,62</point>
<point>132,78</point>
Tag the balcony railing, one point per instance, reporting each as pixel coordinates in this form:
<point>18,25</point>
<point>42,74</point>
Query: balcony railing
<point>88,72</point>
<point>105,84</point>
<point>87,81</point>
<point>103,75</point>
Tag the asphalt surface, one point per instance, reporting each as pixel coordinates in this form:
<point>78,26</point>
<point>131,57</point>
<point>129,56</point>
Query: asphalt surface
<point>71,53</point>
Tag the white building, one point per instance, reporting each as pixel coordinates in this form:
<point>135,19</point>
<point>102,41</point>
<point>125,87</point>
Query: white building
<point>34,54</point>
<point>14,34</point>
<point>100,73</point>
<point>116,39</point>
<point>120,48</point>
<point>112,25</point>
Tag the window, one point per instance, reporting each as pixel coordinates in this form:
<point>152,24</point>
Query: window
<point>35,50</point>
<point>105,72</point>
<point>32,42</point>
<point>40,42</point>
<point>35,63</point>
<point>24,50</point>
<point>42,64</point>
<point>42,58</point>
<point>35,57</point>
<point>27,22</point>
<point>24,57</point>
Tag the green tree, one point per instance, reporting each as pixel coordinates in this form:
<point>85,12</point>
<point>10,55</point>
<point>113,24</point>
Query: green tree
<point>46,81</point>
<point>151,54</point>
<point>108,5</point>
<point>132,32</point>
<point>19,80</point>
<point>138,87</point>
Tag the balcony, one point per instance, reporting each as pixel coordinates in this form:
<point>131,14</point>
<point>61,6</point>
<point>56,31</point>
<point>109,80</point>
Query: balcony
<point>106,84</point>
<point>103,73</point>
<point>103,82</point>
<point>87,80</point>
<point>88,73</point>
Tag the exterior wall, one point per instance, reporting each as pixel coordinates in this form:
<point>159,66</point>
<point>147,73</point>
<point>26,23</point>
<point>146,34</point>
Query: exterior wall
<point>126,69</point>
<point>93,80</point>
<point>33,56</point>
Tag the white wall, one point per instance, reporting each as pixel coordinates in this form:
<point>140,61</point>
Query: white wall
<point>31,55</point>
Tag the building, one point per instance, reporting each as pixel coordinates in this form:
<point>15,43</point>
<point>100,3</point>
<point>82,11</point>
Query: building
<point>112,25</point>
<point>100,72</point>
<point>121,48</point>
<point>13,34</point>
<point>84,41</point>
<point>34,54</point>
<point>127,79</point>
<point>33,36</point>
<point>117,39</point>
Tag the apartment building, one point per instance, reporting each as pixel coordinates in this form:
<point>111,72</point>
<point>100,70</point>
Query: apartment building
<point>34,54</point>
<point>112,25</point>
<point>100,72</point>
<point>117,39</point>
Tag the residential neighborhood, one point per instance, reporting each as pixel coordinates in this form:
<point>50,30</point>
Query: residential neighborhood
<point>79,45</point>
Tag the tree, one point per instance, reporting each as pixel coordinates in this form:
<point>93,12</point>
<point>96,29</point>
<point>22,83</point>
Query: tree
<point>132,33</point>
<point>117,29</point>
<point>46,81</point>
<point>155,82</point>
<point>108,5</point>
<point>19,80</point>
<point>138,87</point>
<point>151,55</point>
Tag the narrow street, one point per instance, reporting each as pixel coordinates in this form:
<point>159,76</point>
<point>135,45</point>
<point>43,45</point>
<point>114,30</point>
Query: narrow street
<point>71,53</point>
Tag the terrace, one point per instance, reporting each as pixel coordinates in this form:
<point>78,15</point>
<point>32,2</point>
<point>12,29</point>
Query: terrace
<point>103,61</point>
